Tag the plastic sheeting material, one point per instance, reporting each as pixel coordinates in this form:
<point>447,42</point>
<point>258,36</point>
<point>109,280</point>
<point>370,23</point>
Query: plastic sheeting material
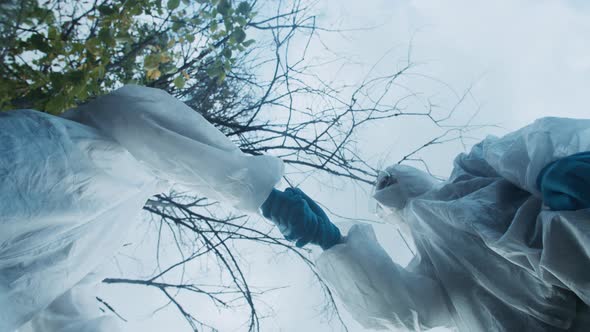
<point>489,257</point>
<point>72,187</point>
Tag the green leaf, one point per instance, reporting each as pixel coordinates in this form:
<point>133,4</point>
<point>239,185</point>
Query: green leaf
<point>221,78</point>
<point>223,7</point>
<point>226,66</point>
<point>56,104</point>
<point>164,57</point>
<point>179,82</point>
<point>104,35</point>
<point>173,4</point>
<point>76,77</point>
<point>215,70</point>
<point>228,23</point>
<point>238,35</point>
<point>77,47</point>
<point>38,42</point>
<point>196,20</point>
<point>92,45</point>
<point>248,42</point>
<point>57,80</point>
<point>243,8</point>
<point>151,61</point>
<point>106,10</point>
<point>241,21</point>
<point>52,33</point>
<point>135,10</point>
<point>177,25</point>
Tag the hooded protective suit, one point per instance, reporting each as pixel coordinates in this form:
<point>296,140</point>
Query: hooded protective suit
<point>72,187</point>
<point>490,256</point>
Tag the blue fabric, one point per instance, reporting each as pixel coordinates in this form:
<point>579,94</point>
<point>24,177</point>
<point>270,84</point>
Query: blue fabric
<point>300,219</point>
<point>565,183</point>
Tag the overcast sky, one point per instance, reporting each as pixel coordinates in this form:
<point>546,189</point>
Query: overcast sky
<point>524,59</point>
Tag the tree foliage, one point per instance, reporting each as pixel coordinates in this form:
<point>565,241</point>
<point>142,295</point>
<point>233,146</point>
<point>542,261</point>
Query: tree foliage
<point>57,54</point>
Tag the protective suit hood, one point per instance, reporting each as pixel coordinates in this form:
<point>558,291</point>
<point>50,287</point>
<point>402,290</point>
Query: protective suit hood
<point>397,185</point>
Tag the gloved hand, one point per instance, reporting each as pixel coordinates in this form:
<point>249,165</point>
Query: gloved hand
<point>565,183</point>
<point>300,219</point>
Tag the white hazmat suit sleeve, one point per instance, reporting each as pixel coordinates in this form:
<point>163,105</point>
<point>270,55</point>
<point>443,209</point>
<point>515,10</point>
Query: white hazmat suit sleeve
<point>77,310</point>
<point>379,293</point>
<point>181,146</point>
<point>520,156</point>
<point>74,187</point>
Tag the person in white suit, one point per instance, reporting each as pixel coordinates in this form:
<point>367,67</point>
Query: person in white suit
<point>502,245</point>
<point>72,187</point>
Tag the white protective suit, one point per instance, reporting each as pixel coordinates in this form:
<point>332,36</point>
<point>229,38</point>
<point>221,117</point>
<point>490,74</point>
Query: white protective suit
<point>72,187</point>
<point>489,256</point>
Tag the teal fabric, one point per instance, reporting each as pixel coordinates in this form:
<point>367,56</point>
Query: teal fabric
<point>300,219</point>
<point>565,183</point>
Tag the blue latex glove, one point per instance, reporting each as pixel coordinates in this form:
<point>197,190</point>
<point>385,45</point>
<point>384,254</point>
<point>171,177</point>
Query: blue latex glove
<point>565,183</point>
<point>300,219</point>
